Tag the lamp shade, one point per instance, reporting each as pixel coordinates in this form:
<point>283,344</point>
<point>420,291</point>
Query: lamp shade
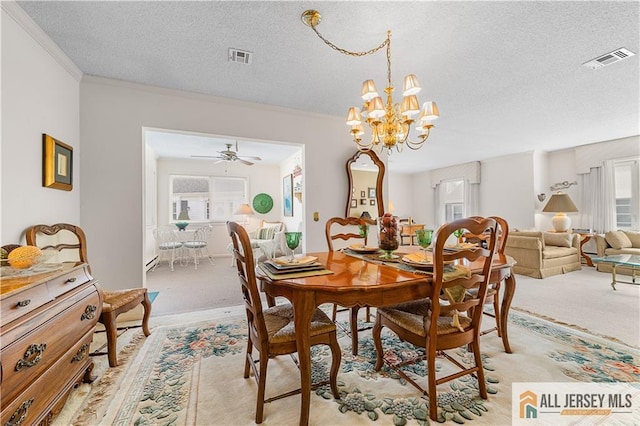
<point>369,90</point>
<point>410,85</point>
<point>243,209</point>
<point>560,203</point>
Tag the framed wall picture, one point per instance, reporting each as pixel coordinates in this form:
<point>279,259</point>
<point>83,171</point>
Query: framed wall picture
<point>372,193</point>
<point>372,202</point>
<point>57,164</point>
<point>287,195</point>
<point>354,203</point>
<point>363,194</point>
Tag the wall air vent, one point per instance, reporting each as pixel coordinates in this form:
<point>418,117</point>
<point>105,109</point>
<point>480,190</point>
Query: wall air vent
<point>609,58</point>
<point>240,56</point>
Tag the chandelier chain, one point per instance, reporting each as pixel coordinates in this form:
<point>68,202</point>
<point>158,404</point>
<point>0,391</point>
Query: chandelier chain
<point>349,52</point>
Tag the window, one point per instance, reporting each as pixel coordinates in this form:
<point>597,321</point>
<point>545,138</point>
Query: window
<point>627,181</point>
<point>453,199</point>
<point>205,198</point>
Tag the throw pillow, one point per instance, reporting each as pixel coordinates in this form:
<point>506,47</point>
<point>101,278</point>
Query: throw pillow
<point>277,225</point>
<point>634,237</point>
<point>267,233</point>
<point>558,239</point>
<point>617,239</point>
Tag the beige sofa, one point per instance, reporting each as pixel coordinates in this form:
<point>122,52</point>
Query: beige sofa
<point>543,254</point>
<point>617,242</point>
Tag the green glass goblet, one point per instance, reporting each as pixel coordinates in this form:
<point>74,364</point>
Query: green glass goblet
<point>458,234</point>
<point>424,239</point>
<point>293,241</point>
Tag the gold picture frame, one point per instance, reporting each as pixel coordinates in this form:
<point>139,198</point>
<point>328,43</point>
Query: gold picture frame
<point>57,164</point>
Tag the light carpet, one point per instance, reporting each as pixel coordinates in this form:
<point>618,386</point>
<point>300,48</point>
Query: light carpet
<point>192,374</point>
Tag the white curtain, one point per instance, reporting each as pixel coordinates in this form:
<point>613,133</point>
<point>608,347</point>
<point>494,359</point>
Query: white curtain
<point>471,196</point>
<point>599,198</point>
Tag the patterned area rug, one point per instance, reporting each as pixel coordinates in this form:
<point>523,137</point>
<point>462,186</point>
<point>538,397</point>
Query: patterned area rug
<point>192,375</point>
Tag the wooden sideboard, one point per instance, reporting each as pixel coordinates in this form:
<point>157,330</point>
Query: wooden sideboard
<point>47,324</point>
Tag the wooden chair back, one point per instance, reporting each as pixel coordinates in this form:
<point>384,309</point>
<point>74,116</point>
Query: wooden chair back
<point>245,263</point>
<point>457,288</point>
<point>68,240</point>
<point>348,229</point>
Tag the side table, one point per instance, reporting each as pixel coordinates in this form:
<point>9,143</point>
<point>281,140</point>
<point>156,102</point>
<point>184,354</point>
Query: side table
<point>583,240</point>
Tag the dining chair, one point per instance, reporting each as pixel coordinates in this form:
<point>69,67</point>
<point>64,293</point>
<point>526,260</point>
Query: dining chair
<point>347,229</point>
<point>169,248</point>
<point>71,243</point>
<point>271,330</point>
<point>439,325</point>
<point>493,289</point>
<point>198,247</point>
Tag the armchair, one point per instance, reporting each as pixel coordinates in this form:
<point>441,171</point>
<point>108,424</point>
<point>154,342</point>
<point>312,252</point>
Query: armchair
<point>543,254</point>
<point>268,237</point>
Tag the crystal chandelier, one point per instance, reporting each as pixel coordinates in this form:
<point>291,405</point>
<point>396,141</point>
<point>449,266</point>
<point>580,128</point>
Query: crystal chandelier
<point>390,123</point>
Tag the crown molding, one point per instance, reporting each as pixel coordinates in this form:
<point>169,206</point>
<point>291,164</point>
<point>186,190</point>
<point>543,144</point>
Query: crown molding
<point>31,28</point>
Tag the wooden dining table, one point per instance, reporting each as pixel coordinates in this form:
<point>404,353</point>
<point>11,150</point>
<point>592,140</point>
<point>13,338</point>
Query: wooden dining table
<point>359,282</point>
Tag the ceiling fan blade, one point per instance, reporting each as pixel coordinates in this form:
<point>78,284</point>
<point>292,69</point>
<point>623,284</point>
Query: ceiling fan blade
<point>220,161</point>
<point>248,163</point>
<point>250,157</point>
<point>207,156</point>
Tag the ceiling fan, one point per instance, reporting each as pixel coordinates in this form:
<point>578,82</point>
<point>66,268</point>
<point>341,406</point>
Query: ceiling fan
<point>229,156</point>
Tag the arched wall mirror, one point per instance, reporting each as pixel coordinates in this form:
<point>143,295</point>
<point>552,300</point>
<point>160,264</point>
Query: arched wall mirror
<point>365,172</point>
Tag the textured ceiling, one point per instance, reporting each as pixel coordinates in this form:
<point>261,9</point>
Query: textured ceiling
<point>507,76</point>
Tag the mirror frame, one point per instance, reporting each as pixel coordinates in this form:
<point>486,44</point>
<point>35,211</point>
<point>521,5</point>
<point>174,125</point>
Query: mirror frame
<point>377,162</point>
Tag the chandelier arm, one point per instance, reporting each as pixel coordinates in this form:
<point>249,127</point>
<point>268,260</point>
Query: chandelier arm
<point>349,52</point>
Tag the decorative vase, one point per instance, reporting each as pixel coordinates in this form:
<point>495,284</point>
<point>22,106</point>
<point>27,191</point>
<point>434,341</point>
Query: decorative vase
<point>182,225</point>
<point>388,236</point>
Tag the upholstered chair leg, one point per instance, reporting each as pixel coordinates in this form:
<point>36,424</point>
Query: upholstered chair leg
<point>335,312</point>
<point>111,329</point>
<point>336,357</point>
<point>377,342</point>
<point>262,383</point>
<point>146,303</point>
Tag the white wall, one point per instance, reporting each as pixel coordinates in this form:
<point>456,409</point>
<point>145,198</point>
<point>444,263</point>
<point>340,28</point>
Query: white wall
<point>39,95</point>
<point>113,116</point>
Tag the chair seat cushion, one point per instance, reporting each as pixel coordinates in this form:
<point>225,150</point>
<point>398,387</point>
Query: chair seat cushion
<point>195,244</point>
<point>410,316</point>
<point>116,299</point>
<point>280,327</point>
<point>169,246</point>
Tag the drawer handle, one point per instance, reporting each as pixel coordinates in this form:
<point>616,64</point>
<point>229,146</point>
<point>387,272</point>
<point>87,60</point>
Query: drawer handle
<point>80,354</point>
<point>29,360</point>
<point>23,303</point>
<point>71,280</point>
<point>20,414</point>
<point>89,313</point>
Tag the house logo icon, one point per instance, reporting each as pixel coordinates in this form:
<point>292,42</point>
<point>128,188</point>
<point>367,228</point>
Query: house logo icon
<point>528,405</point>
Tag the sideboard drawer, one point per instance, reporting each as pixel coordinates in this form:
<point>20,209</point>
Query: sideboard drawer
<point>29,355</point>
<point>22,303</point>
<point>31,405</point>
<point>69,281</point>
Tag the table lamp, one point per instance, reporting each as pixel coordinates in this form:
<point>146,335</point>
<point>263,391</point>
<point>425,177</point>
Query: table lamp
<point>244,210</point>
<point>560,204</point>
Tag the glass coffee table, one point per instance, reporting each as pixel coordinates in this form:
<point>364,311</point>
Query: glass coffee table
<point>630,260</point>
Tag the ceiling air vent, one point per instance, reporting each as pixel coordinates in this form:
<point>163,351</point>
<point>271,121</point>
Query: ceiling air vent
<point>240,56</point>
<point>609,58</point>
